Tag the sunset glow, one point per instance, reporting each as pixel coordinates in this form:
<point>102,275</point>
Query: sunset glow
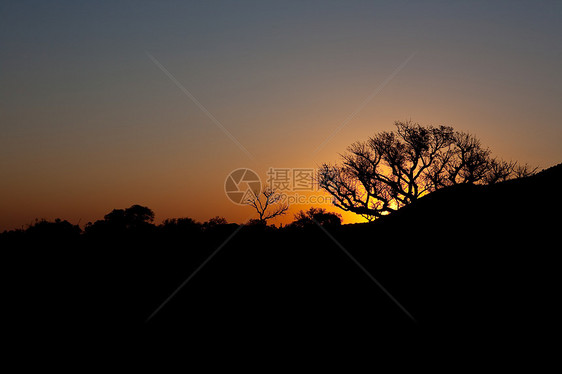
<point>91,123</point>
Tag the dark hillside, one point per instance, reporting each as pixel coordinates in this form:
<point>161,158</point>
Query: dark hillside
<point>465,264</point>
<point>475,260</point>
<point>520,200</point>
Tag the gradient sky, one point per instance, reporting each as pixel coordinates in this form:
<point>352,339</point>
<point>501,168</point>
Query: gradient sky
<point>90,123</point>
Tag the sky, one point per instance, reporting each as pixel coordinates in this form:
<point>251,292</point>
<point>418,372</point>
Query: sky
<point>112,103</point>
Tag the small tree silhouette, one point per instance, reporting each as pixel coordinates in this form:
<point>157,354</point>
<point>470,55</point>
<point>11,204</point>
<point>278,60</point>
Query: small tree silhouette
<point>215,222</point>
<point>118,221</point>
<point>268,204</point>
<point>59,229</point>
<point>134,216</point>
<point>184,225</point>
<point>314,216</point>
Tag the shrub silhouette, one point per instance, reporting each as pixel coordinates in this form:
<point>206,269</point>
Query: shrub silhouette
<point>180,223</point>
<point>177,226</point>
<point>135,218</point>
<point>216,221</point>
<point>57,230</point>
<point>316,216</point>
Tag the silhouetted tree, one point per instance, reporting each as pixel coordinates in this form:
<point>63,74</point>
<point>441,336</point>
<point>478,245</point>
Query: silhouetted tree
<point>268,204</point>
<point>314,216</point>
<point>136,217</point>
<point>393,169</point>
<point>185,221</point>
<point>180,225</point>
<point>255,222</point>
<point>216,221</point>
<point>59,229</point>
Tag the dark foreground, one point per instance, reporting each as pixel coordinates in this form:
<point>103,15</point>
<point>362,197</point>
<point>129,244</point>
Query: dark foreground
<point>465,267</point>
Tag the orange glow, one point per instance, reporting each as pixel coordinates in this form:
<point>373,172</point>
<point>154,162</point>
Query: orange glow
<point>90,123</point>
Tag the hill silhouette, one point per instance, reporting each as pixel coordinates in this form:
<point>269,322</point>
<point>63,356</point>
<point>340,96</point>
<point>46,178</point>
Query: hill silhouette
<point>477,260</point>
<point>464,264</point>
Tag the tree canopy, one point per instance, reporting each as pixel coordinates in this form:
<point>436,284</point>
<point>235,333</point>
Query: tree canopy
<point>395,168</point>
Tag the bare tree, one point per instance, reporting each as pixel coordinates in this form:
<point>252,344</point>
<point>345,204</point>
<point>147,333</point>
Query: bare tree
<point>268,204</point>
<point>393,169</point>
